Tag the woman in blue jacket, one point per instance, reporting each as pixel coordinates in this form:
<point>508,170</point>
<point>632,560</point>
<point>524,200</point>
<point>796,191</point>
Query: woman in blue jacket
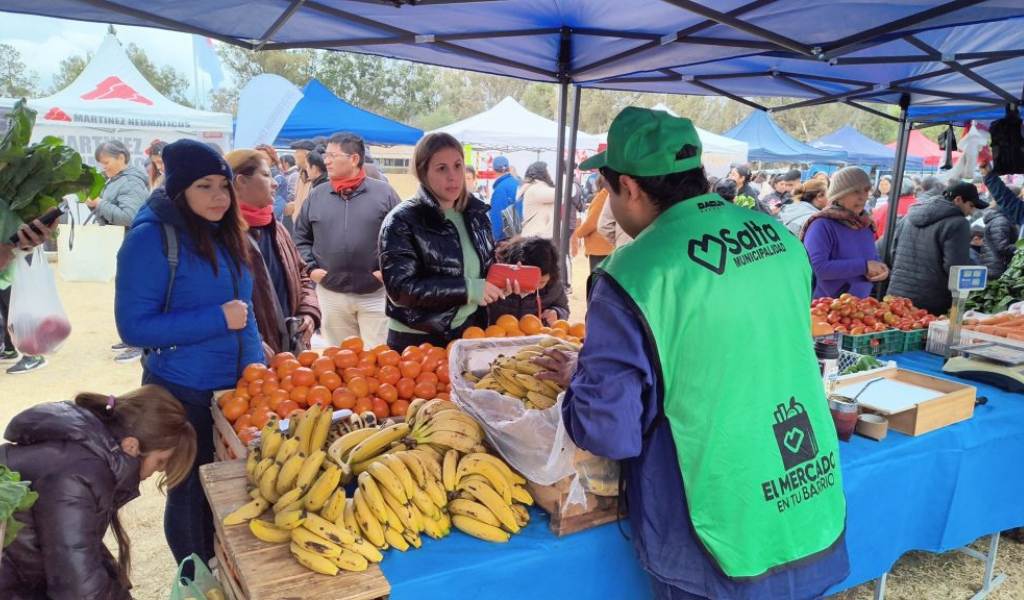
<point>193,320</point>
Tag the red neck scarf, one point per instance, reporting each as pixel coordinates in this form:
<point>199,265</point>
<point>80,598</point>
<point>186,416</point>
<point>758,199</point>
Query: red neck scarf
<point>257,217</point>
<point>346,186</point>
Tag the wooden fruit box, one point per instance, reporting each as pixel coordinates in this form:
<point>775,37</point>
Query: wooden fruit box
<point>226,445</point>
<point>566,518</point>
<point>954,402</point>
<point>267,571</point>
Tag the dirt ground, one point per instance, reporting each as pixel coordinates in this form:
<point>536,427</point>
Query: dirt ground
<point>85,363</point>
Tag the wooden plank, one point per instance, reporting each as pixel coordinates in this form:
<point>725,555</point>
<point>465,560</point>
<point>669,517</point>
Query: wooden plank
<point>566,519</point>
<point>268,571</point>
<point>226,444</point>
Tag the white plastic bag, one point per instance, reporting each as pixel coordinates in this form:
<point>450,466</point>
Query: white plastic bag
<point>970,145</point>
<point>533,442</point>
<point>37,321</point>
<point>87,251</point>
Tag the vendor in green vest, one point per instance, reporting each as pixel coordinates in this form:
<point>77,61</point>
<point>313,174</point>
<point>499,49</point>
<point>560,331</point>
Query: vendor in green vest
<point>699,375</point>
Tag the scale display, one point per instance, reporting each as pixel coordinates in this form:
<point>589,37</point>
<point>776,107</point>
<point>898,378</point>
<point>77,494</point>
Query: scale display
<point>968,279</point>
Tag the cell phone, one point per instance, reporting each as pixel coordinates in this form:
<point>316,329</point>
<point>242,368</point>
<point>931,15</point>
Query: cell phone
<point>46,219</point>
<point>528,276</point>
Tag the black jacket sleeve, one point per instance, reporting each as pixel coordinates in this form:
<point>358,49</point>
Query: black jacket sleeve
<point>1001,237</point>
<point>956,245</point>
<point>553,297</point>
<point>401,269</point>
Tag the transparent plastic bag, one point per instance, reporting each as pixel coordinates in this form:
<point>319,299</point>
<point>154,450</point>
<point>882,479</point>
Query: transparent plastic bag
<point>37,321</point>
<point>202,586</point>
<point>533,442</point>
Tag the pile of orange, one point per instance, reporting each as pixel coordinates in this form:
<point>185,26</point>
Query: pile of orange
<point>510,326</point>
<point>378,379</point>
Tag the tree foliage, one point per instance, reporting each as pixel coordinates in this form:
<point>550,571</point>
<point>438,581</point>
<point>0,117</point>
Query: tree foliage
<point>16,81</point>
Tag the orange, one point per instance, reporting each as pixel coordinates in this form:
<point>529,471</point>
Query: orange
<point>353,343</point>
<point>303,376</point>
<point>243,391</point>
<point>507,322</point>
<point>410,368</point>
<point>368,365</point>
<point>388,392</point>
<point>253,371</point>
<point>530,324</point>
<point>389,357</point>
<point>389,374</point>
<point>546,330</point>
<point>425,389</point>
<point>425,346</point>
<point>346,359</point>
<point>473,333</point>
<point>307,358</point>
<point>318,394</point>
<point>286,408</point>
<point>362,405</point>
<point>377,350</point>
<point>406,388</point>
<point>513,332</point>
<point>260,418</point>
<point>442,373</point>
<point>287,368</point>
<point>243,421</point>
<point>398,408</point>
<point>343,398</point>
<point>359,386</point>
<point>427,376</point>
<point>247,434</point>
<point>280,358</point>
<point>330,351</point>
<point>413,353</point>
<point>260,402</point>
<point>561,324</point>
<point>223,398</point>
<point>444,396</point>
<point>269,386</point>
<point>352,373</point>
<point>323,364</point>
<point>438,353</point>
<point>299,394</point>
<point>495,331</point>
<point>373,384</point>
<point>255,387</point>
<point>369,358</point>
<point>430,364</point>
<point>330,380</point>
<point>380,408</point>
<point>235,408</point>
<point>578,330</point>
<point>287,384</point>
<point>277,398</point>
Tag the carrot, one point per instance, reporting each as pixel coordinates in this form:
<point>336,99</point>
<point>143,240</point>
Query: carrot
<point>1016,336</point>
<point>989,329</point>
<point>997,320</point>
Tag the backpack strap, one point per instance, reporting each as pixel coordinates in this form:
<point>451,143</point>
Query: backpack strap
<point>170,241</point>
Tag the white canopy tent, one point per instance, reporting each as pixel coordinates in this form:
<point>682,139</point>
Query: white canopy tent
<point>110,99</point>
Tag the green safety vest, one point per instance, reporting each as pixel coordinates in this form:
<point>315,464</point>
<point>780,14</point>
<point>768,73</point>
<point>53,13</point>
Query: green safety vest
<point>723,293</point>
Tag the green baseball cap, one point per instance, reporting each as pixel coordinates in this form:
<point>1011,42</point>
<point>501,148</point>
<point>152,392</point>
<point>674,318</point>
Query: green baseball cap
<point>648,143</point>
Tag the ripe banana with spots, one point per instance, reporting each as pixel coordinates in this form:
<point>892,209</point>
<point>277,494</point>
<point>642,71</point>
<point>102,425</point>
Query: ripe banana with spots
<point>261,467</point>
<point>365,549</point>
<point>314,543</point>
<point>372,495</point>
<point>413,537</point>
<point>370,527</point>
<point>247,511</point>
<point>479,529</point>
<point>328,530</point>
<point>399,469</point>
<point>388,481</point>
<point>322,490</point>
<point>287,449</point>
<point>290,519</point>
<point>289,472</point>
<point>266,532</point>
<point>490,473</point>
<point>310,468</point>
<point>424,504</point>
<point>321,428</point>
<point>312,561</point>
<point>340,449</point>
<point>271,437</point>
<point>377,443</point>
<point>252,460</point>
<point>448,469</point>
<point>395,539</point>
<point>486,495</point>
<point>332,511</point>
<point>268,483</point>
<point>413,410</point>
<point>304,428</point>
<point>290,500</point>
<point>521,495</point>
<point>473,509</point>
<point>415,467</point>
<point>349,560</point>
<point>522,515</point>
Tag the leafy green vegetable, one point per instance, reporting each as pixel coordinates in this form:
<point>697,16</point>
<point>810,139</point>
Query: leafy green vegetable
<point>34,178</point>
<point>1001,293</point>
<point>15,496</point>
<point>864,363</point>
<point>745,201</point>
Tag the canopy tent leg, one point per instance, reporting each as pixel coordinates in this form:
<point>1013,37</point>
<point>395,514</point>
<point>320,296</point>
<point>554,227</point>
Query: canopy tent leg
<point>563,108</point>
<point>570,172</point>
<point>880,586</point>
<point>902,142</point>
<point>990,583</point>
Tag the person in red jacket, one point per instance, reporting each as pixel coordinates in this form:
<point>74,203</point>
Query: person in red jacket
<point>881,212</point>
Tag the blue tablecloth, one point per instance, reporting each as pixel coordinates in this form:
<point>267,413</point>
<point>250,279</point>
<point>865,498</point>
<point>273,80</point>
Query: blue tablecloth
<point>935,492</point>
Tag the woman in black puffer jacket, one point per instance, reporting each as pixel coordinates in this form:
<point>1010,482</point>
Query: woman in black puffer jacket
<point>86,460</point>
<point>435,250</point>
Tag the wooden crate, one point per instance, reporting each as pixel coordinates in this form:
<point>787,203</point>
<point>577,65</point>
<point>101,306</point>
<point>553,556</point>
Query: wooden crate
<point>267,571</point>
<point>226,445</point>
<point>566,519</point>
<point>954,405</point>
<point>228,579</point>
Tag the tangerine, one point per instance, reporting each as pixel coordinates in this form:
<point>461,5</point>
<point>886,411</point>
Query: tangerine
<point>253,371</point>
<point>330,351</point>
<point>359,386</point>
<point>389,357</point>
<point>380,408</point>
<point>286,408</point>
<point>495,331</point>
<point>244,420</point>
<point>353,343</point>
<point>243,391</point>
<point>287,384</point>
<point>368,365</point>
<point>425,389</point>
<point>223,398</point>
<point>430,364</point>
<point>429,377</point>
<point>323,364</point>
<point>578,330</point>
<point>307,358</point>
<point>389,374</point>
<point>330,380</point>
<point>388,392</point>
<point>298,395</point>
<point>269,386</point>
<point>343,398</point>
<point>304,376</point>
<point>413,353</point>
<point>260,417</point>
<point>438,353</point>
<point>399,407</point>
<point>247,434</point>
<point>352,373</point>
<point>514,332</point>
<point>278,397</point>
<point>255,387</point>
<point>346,359</point>
<point>280,358</point>
<point>378,349</point>
<point>442,373</point>
<point>362,405</point>
<point>562,325</point>
<point>235,408</point>
<point>507,322</point>
<point>473,333</point>
<point>406,388</point>
<point>369,358</point>
<point>319,394</point>
<point>444,396</point>
<point>530,324</point>
<point>373,383</point>
<point>410,368</point>
<point>287,368</point>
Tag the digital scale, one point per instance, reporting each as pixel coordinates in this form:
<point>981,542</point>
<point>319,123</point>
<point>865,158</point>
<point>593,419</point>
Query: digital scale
<point>988,362</point>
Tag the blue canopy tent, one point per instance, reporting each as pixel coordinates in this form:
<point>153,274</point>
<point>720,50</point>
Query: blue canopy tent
<point>320,112</point>
<point>768,143</point>
<point>863,150</point>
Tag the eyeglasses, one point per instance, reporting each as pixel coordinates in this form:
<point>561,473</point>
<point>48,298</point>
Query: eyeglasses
<point>335,155</point>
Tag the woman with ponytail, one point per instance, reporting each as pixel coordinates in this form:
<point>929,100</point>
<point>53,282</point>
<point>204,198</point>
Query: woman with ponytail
<point>86,460</point>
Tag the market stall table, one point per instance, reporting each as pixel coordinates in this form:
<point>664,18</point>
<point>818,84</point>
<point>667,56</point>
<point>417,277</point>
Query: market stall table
<point>936,492</point>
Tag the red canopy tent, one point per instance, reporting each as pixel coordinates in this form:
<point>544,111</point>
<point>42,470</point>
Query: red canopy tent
<point>928,150</point>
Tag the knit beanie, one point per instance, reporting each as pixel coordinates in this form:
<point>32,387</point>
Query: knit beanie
<point>188,160</point>
<point>846,180</point>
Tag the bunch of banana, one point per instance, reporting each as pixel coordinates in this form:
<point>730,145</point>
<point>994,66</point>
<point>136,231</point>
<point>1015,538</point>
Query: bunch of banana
<point>488,498</point>
<point>312,428</point>
<point>440,423</point>
<point>516,375</point>
<point>357,450</point>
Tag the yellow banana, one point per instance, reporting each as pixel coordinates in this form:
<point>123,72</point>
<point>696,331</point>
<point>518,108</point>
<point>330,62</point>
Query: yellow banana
<point>266,532</point>
<point>436,493</point>
<point>510,475</point>
<point>339,450</point>
<point>487,496</point>
<point>351,561</point>
<point>348,517</point>
<point>430,408</point>
<point>479,529</point>
<point>332,511</point>
<point>470,377</point>
<point>529,353</point>
<point>247,511</point>
<point>304,430</point>
<point>448,470</point>
<point>328,530</point>
<point>372,529</point>
<point>489,472</point>
<point>529,382</point>
<point>261,468</point>
<point>251,461</point>
<point>402,512</point>
<point>310,467</point>
<point>320,492</point>
<point>289,472</point>
<point>522,515</point>
<point>378,442</point>
<point>271,437</point>
<point>372,494</point>
<point>314,543</point>
<point>553,388</point>
<point>473,509</point>
<point>397,467</point>
<point>364,549</point>
<point>506,379</point>
<point>521,495</point>
<point>313,562</point>
<point>287,449</point>
<point>413,537</point>
<point>432,527</point>
<point>413,409</point>
<point>487,382</point>
<point>290,519</point>
<point>540,400</point>
<point>429,459</point>
<point>395,539</point>
<point>288,499</point>
<point>451,439</point>
<point>321,429</point>
<point>415,517</point>
<point>415,467</point>
<point>421,500</point>
<point>268,483</point>
<point>388,481</point>
<point>393,519</point>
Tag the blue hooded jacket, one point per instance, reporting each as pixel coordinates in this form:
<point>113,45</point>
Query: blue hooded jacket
<point>191,344</point>
<point>502,195</point>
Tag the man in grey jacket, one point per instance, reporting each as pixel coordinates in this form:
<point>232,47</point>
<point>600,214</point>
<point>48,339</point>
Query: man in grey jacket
<point>126,190</point>
<point>934,237</point>
<point>336,234</point>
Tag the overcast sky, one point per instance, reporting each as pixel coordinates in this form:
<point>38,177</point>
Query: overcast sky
<point>44,42</point>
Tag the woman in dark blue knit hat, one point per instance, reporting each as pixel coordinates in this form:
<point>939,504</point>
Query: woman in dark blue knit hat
<point>194,320</point>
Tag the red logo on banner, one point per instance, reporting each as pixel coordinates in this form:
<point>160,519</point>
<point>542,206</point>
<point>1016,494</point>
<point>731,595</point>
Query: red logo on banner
<point>56,114</point>
<point>112,88</point>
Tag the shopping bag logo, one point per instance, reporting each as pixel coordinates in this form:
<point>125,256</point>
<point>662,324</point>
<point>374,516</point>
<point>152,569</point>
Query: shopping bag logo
<point>794,434</point>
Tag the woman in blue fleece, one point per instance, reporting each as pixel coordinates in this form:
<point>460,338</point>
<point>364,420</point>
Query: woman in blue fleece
<point>195,324</point>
